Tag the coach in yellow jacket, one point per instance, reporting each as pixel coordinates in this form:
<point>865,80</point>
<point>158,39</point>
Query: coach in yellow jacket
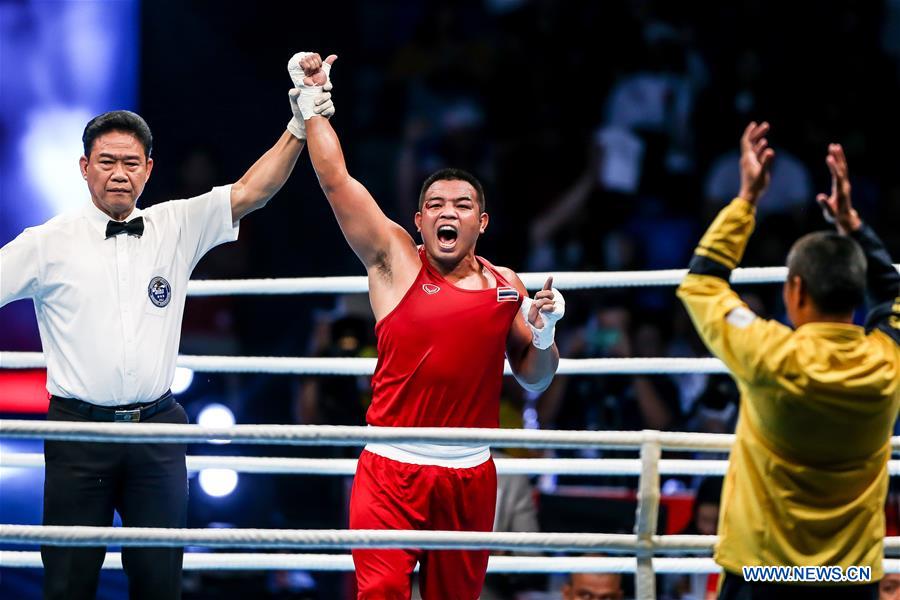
<point>807,478</point>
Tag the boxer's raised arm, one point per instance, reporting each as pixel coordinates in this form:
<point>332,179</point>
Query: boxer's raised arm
<point>269,173</point>
<point>367,229</point>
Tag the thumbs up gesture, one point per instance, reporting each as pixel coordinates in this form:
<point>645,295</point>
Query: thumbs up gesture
<point>312,81</point>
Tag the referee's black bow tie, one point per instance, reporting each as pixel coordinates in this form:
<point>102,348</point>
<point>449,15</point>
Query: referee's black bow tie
<point>132,227</point>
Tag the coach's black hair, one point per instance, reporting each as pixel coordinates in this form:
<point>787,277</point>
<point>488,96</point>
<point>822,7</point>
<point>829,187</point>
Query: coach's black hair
<point>451,174</point>
<point>118,120</point>
<point>833,268</point>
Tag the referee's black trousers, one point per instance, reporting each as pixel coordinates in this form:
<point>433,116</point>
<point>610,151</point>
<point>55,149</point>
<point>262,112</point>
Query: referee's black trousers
<point>86,481</point>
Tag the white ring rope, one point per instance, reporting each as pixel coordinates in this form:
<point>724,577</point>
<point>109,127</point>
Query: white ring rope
<point>247,561</point>
<point>296,365</point>
<point>505,466</point>
<point>256,561</point>
<point>352,435</point>
<point>532,281</point>
<point>157,537</point>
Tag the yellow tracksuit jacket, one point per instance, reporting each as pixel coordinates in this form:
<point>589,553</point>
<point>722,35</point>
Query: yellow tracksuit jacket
<point>807,477</point>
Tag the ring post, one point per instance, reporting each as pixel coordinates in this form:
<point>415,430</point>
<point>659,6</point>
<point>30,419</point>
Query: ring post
<point>647,514</point>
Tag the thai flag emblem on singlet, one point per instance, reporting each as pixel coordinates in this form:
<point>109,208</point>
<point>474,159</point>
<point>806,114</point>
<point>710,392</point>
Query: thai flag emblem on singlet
<point>507,294</point>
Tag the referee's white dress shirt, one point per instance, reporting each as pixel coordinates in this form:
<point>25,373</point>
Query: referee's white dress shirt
<point>109,310</point>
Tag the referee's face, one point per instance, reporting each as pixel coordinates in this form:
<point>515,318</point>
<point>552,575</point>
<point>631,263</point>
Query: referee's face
<point>116,172</point>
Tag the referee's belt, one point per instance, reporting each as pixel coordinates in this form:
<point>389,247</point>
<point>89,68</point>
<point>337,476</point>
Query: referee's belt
<point>129,413</point>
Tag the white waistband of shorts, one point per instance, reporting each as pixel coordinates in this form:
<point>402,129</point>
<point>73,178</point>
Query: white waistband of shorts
<point>438,455</point>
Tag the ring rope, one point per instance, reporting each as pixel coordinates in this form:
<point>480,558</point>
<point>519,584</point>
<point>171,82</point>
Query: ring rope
<point>297,365</point>
<point>157,537</point>
<point>505,466</point>
<point>354,435</point>
<point>533,281</point>
<point>253,561</point>
<point>347,466</point>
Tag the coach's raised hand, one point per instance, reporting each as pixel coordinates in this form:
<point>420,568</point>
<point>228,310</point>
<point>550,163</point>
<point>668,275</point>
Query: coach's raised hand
<point>837,207</point>
<point>756,161</point>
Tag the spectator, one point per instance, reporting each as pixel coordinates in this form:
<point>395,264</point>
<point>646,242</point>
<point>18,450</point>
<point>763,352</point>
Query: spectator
<point>704,521</point>
<point>889,587</point>
<point>593,586</point>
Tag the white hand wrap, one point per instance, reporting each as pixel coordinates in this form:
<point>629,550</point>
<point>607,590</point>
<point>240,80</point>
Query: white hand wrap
<point>309,100</point>
<point>324,107</point>
<point>542,338</point>
<point>296,125</point>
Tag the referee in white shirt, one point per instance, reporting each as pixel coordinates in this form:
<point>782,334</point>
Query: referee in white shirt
<point>108,284</point>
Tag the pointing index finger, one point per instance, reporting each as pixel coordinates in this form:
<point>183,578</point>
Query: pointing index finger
<point>549,284</point>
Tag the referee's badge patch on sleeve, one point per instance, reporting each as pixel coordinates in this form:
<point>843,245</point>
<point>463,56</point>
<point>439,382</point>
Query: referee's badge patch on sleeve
<point>507,294</point>
<point>740,317</point>
<point>159,291</point>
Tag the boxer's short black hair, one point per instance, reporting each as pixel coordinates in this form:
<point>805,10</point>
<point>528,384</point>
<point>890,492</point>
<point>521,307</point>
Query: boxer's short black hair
<point>451,174</point>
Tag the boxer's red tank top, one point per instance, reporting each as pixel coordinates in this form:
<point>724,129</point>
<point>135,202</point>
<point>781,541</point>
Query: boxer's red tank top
<point>440,353</point>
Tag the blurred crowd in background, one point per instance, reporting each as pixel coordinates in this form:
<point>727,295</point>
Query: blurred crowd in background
<point>605,134</point>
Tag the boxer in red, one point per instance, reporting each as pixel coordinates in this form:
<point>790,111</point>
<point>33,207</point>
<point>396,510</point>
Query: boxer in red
<point>445,319</point>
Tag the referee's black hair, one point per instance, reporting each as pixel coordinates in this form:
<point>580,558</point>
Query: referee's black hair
<point>118,120</point>
<point>833,268</point>
<point>451,174</point>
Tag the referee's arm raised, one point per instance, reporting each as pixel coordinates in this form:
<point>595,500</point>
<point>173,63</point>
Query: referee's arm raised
<point>270,172</point>
<point>266,176</point>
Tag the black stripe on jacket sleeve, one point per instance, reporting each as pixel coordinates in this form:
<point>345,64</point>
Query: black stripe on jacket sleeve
<point>702,265</point>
